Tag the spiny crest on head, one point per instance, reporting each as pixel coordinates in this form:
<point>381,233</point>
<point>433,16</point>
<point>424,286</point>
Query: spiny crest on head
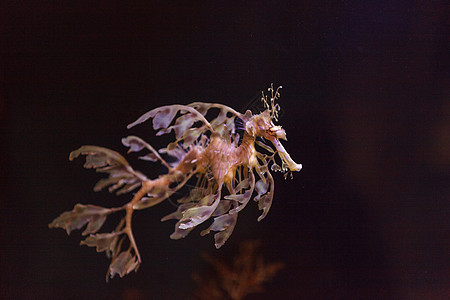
<point>273,108</point>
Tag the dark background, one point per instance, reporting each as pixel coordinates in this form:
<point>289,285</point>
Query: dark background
<point>365,104</point>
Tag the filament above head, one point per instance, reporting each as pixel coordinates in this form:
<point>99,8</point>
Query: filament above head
<point>273,108</point>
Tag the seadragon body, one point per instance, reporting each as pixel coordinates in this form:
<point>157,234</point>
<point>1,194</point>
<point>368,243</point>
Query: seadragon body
<point>229,170</point>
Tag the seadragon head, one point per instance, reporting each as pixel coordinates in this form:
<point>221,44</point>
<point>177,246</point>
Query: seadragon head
<point>262,125</point>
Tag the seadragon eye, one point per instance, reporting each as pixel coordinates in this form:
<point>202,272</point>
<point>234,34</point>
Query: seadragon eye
<point>277,132</point>
<point>275,128</point>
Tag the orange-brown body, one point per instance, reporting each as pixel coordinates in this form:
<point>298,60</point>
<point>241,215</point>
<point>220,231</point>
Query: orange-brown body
<point>212,151</point>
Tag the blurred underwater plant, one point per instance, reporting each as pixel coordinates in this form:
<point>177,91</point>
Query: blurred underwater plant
<point>245,275</point>
<point>223,155</point>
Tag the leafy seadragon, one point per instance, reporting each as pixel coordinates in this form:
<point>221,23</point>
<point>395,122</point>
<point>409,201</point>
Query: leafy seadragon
<point>228,168</point>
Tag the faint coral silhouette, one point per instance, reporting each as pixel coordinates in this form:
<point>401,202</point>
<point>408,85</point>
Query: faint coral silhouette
<point>246,274</point>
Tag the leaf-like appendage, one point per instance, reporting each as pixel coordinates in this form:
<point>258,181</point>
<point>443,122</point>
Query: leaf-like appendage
<point>245,197</point>
<point>261,188</point>
<point>222,208</point>
<point>191,135</point>
<point>185,133</point>
<point>221,237</point>
<point>180,233</point>
<point>199,214</point>
<point>178,214</point>
<point>265,196</point>
<point>182,124</point>
<point>163,117</point>
<point>103,242</point>
<point>225,225</point>
<point>223,124</point>
<point>243,184</point>
<point>177,152</point>
<point>95,223</point>
<point>80,216</point>
<point>147,202</point>
<point>123,264</point>
<point>137,144</point>
<point>265,186</point>
<point>122,178</point>
<point>195,199</point>
<point>225,222</point>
